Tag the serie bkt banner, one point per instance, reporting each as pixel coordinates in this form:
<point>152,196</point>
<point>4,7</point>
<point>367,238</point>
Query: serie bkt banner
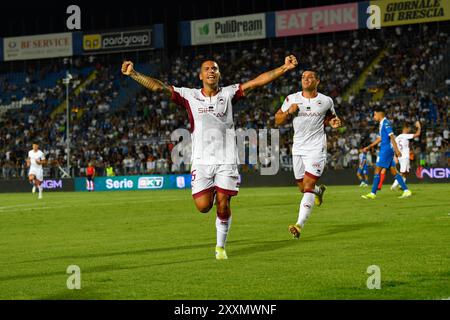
<point>148,182</point>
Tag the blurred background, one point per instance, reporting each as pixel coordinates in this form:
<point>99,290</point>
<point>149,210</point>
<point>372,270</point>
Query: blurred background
<point>115,123</point>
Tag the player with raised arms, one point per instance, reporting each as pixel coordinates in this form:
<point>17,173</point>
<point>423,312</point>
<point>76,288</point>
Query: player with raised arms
<point>35,160</point>
<point>403,145</point>
<point>388,148</point>
<point>309,111</point>
<point>214,156</point>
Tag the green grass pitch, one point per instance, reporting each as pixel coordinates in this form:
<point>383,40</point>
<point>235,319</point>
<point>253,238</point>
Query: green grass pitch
<point>155,245</point>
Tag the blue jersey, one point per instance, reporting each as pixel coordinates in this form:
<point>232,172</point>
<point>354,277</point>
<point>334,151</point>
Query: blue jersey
<point>362,159</point>
<point>363,168</point>
<point>385,132</point>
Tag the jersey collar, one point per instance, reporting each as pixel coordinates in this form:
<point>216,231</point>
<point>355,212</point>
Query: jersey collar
<point>301,94</point>
<point>203,94</point>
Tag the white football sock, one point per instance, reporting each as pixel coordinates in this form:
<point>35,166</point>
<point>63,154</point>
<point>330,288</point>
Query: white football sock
<point>40,189</point>
<point>222,227</point>
<point>395,184</point>
<point>316,189</point>
<point>306,206</point>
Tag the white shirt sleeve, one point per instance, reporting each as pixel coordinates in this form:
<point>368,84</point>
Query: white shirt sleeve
<point>179,95</point>
<point>287,103</point>
<point>332,110</point>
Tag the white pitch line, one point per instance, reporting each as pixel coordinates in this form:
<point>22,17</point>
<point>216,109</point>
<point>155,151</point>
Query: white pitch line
<point>92,205</point>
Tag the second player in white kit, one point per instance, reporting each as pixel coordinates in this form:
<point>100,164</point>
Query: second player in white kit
<point>309,150</point>
<point>310,112</point>
<point>214,170</point>
<point>403,145</point>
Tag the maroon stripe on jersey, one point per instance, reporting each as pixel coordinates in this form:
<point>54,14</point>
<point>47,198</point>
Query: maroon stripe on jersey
<point>309,191</point>
<point>226,191</point>
<point>178,99</point>
<point>238,94</point>
<point>200,193</point>
<point>311,175</point>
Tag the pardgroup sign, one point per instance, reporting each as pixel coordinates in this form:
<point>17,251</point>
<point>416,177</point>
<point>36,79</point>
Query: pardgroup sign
<point>113,41</point>
<point>228,29</point>
<point>147,182</point>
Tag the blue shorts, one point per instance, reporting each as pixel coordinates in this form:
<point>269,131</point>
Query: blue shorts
<point>363,171</point>
<point>385,160</point>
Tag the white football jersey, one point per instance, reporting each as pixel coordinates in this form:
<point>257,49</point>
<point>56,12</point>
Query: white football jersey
<point>309,129</point>
<point>38,155</point>
<point>212,127</point>
<point>403,144</point>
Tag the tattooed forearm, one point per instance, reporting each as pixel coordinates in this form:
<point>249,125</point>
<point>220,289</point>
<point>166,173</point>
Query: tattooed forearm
<point>265,78</point>
<point>150,83</point>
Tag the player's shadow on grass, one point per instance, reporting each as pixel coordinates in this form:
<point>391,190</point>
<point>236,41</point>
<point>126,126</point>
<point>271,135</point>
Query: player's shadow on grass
<point>263,246</point>
<point>103,268</point>
<point>126,252</point>
<point>344,228</point>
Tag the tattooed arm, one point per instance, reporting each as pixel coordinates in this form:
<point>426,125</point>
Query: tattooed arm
<point>290,62</point>
<point>150,83</point>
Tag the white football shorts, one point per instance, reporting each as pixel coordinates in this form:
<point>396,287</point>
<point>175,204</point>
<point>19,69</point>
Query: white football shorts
<point>404,165</point>
<point>309,164</point>
<point>38,173</point>
<point>223,178</point>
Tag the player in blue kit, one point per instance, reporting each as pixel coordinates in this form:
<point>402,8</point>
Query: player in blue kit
<point>385,158</point>
<point>363,170</point>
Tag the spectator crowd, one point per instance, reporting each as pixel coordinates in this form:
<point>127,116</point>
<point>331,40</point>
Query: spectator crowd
<point>135,138</point>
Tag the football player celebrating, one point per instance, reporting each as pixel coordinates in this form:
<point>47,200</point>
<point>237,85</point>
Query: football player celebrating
<point>214,156</point>
<point>309,111</point>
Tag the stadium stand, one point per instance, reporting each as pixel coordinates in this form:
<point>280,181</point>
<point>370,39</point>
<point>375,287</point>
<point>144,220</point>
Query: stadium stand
<point>115,122</point>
